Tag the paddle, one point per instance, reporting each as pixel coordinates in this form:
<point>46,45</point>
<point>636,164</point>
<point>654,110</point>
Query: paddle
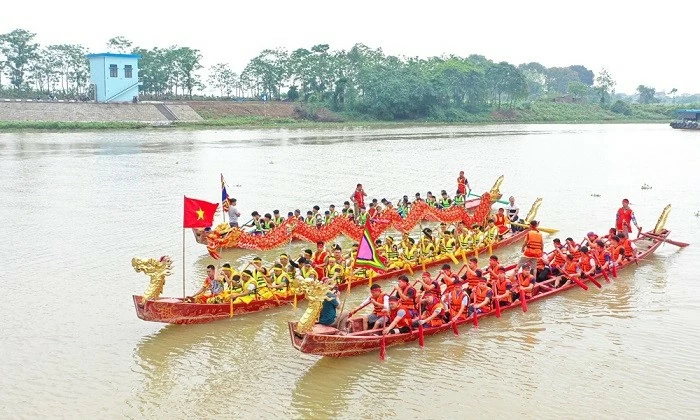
<point>594,281</point>
<point>580,284</point>
<point>543,229</point>
<point>661,238</point>
<point>421,338</point>
<point>454,327</point>
<point>498,308</point>
<point>382,349</point>
<point>475,318</point>
<point>523,304</point>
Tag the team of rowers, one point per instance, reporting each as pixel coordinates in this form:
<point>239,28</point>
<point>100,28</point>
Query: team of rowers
<point>355,209</point>
<point>256,281</point>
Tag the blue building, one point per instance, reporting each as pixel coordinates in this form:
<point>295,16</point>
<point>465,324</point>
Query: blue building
<point>115,76</point>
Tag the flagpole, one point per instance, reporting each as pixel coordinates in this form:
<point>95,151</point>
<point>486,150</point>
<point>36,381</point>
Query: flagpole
<point>183,265</point>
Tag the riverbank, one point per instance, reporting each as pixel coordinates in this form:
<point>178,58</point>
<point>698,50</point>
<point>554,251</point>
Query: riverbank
<point>290,115</point>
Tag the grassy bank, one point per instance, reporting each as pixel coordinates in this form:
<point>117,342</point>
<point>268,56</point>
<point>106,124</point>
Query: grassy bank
<point>537,112</point>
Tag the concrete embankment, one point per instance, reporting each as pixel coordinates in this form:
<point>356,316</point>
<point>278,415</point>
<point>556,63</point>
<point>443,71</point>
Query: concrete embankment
<point>34,111</point>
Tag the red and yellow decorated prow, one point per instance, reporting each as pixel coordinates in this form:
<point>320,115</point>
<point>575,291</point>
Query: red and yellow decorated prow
<point>198,213</point>
<point>294,229</point>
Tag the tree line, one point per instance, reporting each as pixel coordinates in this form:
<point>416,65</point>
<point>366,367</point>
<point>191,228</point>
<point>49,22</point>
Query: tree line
<point>360,80</point>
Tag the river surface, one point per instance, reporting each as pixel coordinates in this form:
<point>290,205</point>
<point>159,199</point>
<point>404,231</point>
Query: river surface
<point>76,207</point>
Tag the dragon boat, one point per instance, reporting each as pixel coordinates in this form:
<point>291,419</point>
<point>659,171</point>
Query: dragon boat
<point>309,337</point>
<point>151,307</point>
<point>225,237</point>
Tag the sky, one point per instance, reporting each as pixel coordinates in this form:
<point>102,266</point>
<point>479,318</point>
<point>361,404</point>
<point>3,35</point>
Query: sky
<point>651,45</point>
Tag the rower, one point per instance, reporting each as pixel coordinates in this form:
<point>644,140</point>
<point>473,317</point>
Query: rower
<point>500,221</point>
<point>249,289</point>
<point>459,200</point>
<point>408,296</point>
<point>591,239</point>
<point>286,265</point>
<point>522,280</point>
<point>617,251</point>
<point>492,268</point>
<point>471,276</point>
<point>362,216</point>
<point>629,247</point>
<point>512,211</point>
<point>212,286</point>
<point>448,278</point>
<point>624,219</point>
<point>502,288</point>
<point>228,273</point>
<point>573,248</point>
<point>586,263</point>
<point>327,217</point>
<point>602,256</point>
<point>338,255</point>
<point>534,244</point>
<point>260,275</point>
<point>430,200</point>
<point>449,243</point>
<point>297,215</point>
<point>320,259</point>
<point>481,296</point>
<point>433,314</point>
<point>277,218</point>
<point>316,212</point>
<point>427,245</point>
<point>445,202</point>
<point>372,212</point>
<point>457,301</point>
<point>557,259</point>
<point>569,270</point>
<point>310,218</point>
<point>267,224</point>
<point>430,287</point>
<point>491,234</point>
<point>401,320</point>
<point>280,280</point>
<point>255,223</point>
<point>332,212</point>
<point>380,308</point>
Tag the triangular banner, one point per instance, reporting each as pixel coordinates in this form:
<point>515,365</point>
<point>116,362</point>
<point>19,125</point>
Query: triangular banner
<point>366,252</point>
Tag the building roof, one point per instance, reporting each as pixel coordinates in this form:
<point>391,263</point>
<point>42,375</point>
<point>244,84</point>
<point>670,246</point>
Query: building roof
<point>689,111</point>
<point>115,55</point>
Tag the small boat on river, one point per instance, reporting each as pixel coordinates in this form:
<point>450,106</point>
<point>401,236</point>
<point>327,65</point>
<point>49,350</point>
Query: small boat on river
<point>688,119</point>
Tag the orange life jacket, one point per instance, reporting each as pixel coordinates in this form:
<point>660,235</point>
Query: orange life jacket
<point>627,245</point>
<point>616,252</point>
<point>480,295</point>
<point>472,280</point>
<point>533,249</point>
<point>624,219</point>
<point>437,321</point>
<point>378,304</point>
<point>557,259</point>
<point>449,283</point>
<point>585,262</point>
<point>524,280</point>
<point>570,268</point>
<point>501,286</point>
<point>540,264</point>
<point>455,301</point>
<point>408,303</point>
<point>575,251</point>
<point>600,257</point>
<point>405,321</point>
<point>500,221</point>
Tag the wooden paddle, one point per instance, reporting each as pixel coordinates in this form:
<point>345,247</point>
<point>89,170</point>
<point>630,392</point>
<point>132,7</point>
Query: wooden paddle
<point>543,229</point>
<point>497,201</point>
<point>661,238</point>
<point>523,304</point>
<point>421,338</point>
<point>382,349</point>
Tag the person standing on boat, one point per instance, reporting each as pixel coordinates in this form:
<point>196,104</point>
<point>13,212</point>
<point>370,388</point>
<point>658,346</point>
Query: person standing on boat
<point>513,211</point>
<point>625,218</point>
<point>462,184</point>
<point>358,198</point>
<point>233,213</point>
<point>533,248</point>
<point>320,259</point>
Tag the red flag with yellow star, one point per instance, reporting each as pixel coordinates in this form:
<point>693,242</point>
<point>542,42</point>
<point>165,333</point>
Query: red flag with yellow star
<point>198,213</point>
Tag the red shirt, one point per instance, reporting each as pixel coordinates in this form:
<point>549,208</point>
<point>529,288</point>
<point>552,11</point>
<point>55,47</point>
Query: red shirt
<point>359,198</point>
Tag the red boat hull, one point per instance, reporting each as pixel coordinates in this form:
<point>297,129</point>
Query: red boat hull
<point>336,345</point>
<point>175,311</point>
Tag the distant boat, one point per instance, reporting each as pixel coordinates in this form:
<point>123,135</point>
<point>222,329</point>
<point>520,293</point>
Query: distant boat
<point>687,119</point>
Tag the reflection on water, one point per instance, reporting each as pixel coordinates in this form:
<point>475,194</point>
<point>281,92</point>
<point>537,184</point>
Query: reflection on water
<point>83,204</point>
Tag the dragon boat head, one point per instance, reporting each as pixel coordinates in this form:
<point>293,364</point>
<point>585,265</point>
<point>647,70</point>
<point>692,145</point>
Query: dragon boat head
<point>316,293</point>
<point>157,270</point>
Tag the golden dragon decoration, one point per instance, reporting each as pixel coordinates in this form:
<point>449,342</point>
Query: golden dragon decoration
<point>157,270</point>
<point>316,293</point>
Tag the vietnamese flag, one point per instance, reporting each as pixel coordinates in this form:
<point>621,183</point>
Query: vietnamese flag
<point>198,213</point>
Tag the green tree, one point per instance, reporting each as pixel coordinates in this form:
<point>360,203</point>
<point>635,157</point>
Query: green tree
<point>604,85</point>
<point>119,44</point>
<point>558,79</point>
<point>19,50</point>
<point>536,78</point>
<point>673,94</point>
<point>222,78</point>
<point>186,61</point>
<point>578,89</point>
<point>268,70</point>
<point>585,76</point>
<point>646,94</point>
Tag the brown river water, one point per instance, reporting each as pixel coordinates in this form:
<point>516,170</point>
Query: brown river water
<point>76,207</point>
